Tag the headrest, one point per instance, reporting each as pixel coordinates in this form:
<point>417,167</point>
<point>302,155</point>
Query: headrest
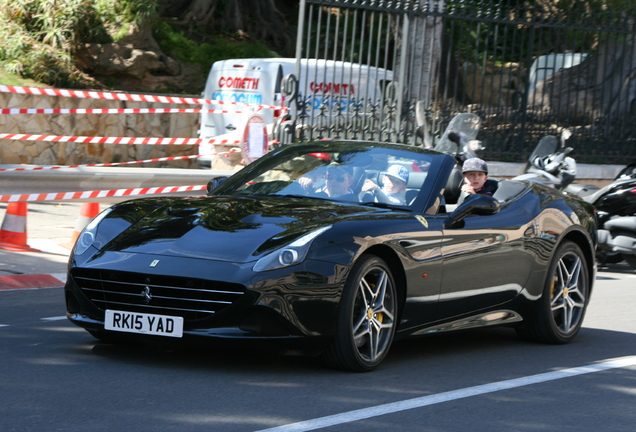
<point>453,186</point>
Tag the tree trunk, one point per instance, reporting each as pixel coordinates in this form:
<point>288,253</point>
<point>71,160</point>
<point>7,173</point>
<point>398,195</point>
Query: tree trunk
<point>262,19</point>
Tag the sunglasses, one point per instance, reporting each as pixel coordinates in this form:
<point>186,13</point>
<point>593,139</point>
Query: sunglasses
<point>338,179</point>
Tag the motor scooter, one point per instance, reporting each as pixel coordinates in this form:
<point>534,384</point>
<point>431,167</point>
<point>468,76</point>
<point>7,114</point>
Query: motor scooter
<point>615,205</point>
<point>550,165</point>
<point>460,137</point>
<point>459,140</point>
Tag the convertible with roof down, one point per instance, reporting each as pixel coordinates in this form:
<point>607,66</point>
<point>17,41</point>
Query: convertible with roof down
<point>295,249</point>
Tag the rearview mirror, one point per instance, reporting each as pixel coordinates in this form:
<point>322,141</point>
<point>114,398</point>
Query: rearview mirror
<point>473,205</point>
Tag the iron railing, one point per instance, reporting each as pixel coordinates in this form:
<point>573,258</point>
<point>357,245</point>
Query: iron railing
<point>528,71</point>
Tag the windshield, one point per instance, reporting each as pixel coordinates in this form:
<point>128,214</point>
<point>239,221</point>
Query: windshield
<point>386,175</point>
<point>547,146</point>
<point>466,125</point>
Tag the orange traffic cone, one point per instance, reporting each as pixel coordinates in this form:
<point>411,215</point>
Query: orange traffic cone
<point>87,212</point>
<point>13,235</point>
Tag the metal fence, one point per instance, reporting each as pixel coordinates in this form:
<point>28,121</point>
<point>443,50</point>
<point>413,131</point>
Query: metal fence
<point>528,71</point>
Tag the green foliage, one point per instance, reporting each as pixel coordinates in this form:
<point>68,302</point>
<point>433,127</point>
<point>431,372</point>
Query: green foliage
<point>120,13</point>
<point>37,56</point>
<point>8,78</point>
<point>175,44</point>
<point>38,37</point>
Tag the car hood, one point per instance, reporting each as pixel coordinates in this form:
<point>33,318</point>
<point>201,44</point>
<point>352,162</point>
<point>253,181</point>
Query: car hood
<point>224,228</point>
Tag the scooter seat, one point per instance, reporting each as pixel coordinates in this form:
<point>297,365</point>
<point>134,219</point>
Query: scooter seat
<point>627,223</point>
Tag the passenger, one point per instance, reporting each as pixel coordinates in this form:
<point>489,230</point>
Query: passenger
<point>476,181</point>
<point>394,183</point>
<point>338,181</point>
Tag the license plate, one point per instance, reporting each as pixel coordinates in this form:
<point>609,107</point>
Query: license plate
<point>134,322</point>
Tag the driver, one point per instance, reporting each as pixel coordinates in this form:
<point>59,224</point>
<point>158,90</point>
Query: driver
<point>338,181</point>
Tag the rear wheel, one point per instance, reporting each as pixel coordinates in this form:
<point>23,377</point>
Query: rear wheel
<point>631,260</point>
<point>366,317</point>
<point>604,258</point>
<point>559,313</point>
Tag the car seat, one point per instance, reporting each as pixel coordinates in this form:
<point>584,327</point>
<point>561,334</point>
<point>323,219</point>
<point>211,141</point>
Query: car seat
<point>453,186</point>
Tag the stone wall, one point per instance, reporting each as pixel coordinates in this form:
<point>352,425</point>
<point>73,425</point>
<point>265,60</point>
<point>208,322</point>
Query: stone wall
<point>110,125</point>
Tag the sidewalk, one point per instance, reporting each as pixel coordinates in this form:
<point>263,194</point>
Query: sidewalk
<point>49,227</point>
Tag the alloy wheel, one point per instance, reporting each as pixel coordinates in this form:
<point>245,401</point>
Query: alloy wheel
<point>373,316</point>
<point>567,300</point>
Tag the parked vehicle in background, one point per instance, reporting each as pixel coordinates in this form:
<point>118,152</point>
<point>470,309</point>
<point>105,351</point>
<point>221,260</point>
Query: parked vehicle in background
<point>328,87</point>
<point>550,164</point>
<point>615,205</point>
<point>546,65</point>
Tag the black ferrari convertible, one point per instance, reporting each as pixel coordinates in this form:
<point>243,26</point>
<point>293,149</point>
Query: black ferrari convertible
<point>343,246</point>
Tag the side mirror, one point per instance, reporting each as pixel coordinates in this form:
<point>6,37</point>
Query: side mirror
<point>473,205</point>
<point>454,137</point>
<point>215,183</point>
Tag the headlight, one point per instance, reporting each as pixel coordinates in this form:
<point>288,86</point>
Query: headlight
<point>87,236</point>
<point>291,254</point>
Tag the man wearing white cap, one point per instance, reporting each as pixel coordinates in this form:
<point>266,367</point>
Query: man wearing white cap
<point>394,183</point>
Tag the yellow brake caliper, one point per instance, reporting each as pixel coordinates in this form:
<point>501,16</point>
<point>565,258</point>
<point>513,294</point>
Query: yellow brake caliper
<point>379,316</point>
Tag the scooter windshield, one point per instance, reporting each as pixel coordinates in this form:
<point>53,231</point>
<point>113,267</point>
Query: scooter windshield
<point>466,125</point>
<point>547,146</point>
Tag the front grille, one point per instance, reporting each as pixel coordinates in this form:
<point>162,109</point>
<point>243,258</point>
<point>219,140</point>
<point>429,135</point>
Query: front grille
<point>193,299</point>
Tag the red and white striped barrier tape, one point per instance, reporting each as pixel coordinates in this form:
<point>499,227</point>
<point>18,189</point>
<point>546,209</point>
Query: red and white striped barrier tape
<point>59,196</point>
<point>115,111</point>
<point>134,97</point>
<point>39,168</point>
<point>116,140</point>
<point>163,159</point>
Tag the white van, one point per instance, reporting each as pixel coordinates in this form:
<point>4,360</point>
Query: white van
<point>258,81</point>
<point>549,64</point>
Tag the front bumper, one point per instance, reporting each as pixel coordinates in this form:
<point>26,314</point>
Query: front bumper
<point>291,303</point>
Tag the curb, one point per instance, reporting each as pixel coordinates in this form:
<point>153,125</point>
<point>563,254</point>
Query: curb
<point>15,282</point>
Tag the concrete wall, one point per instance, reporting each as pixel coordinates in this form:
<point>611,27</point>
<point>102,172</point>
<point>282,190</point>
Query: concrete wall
<point>115,125</point>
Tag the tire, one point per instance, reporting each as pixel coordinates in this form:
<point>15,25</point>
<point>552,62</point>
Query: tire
<point>112,338</point>
<point>102,336</point>
<point>631,260</point>
<point>367,317</point>
<point>611,259</point>
<point>558,314</point>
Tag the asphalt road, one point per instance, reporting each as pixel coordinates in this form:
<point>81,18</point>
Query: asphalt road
<point>56,377</point>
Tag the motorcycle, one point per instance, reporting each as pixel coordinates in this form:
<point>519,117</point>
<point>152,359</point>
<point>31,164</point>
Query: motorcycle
<point>460,141</point>
<point>460,137</point>
<point>615,203</point>
<point>550,165</point>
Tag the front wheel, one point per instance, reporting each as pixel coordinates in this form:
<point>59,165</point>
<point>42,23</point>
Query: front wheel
<point>367,316</point>
<point>559,313</point>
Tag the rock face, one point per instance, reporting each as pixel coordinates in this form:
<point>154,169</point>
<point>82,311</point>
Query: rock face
<point>182,125</point>
<point>601,86</point>
<point>137,63</point>
<point>125,59</point>
<point>492,85</point>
